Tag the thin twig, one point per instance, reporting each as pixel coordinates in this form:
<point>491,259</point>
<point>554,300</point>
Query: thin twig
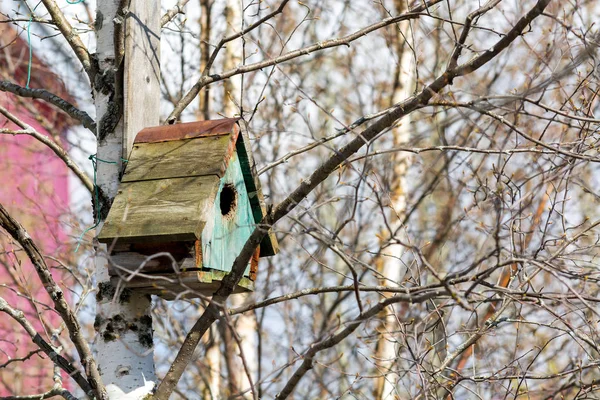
<point>173,12</point>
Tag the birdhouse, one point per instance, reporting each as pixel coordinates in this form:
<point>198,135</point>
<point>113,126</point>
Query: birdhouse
<point>188,201</point>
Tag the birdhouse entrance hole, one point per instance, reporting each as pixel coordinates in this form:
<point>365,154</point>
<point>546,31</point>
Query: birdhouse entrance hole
<point>228,199</point>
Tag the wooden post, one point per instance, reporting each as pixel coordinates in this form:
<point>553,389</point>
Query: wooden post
<point>128,62</point>
<point>142,69</point>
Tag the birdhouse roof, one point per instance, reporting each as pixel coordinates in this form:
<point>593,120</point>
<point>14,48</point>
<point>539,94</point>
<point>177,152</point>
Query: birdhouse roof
<point>188,130</point>
<point>201,148</point>
<point>171,182</point>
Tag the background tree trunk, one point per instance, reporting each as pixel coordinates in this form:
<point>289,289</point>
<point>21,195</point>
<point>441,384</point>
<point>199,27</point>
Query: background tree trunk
<point>245,325</point>
<point>390,264</point>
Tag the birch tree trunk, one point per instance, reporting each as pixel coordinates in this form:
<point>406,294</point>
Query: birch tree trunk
<point>390,265</point>
<point>246,325</point>
<point>212,339</point>
<point>213,362</point>
<point>126,101</point>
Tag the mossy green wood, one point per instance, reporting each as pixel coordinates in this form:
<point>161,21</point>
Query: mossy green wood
<point>225,235</point>
<point>160,210</point>
<point>167,190</point>
<point>178,158</point>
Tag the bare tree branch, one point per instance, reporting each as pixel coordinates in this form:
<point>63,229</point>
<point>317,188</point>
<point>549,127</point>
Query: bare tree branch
<point>53,99</point>
<point>170,14</point>
<point>59,360</point>
<point>327,44</point>
<point>72,39</point>
<point>86,357</point>
<point>65,394</point>
<point>332,340</point>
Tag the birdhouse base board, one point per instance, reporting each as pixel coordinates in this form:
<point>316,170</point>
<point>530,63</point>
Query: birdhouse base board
<point>129,262</point>
<point>183,285</point>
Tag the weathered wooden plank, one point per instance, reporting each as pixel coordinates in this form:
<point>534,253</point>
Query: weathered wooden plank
<point>133,255</point>
<point>170,286</point>
<point>191,157</point>
<point>160,210</point>
<point>141,69</point>
<point>178,250</point>
<point>131,261</point>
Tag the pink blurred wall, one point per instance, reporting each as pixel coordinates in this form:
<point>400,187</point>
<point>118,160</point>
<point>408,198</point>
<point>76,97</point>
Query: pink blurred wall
<point>34,189</point>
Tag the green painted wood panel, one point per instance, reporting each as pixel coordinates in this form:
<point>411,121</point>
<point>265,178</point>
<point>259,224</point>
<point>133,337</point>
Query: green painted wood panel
<point>178,158</point>
<point>268,245</point>
<point>225,235</point>
<point>160,210</point>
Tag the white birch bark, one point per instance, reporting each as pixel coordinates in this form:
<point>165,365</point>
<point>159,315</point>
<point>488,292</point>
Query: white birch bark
<point>125,355</point>
<point>391,266</point>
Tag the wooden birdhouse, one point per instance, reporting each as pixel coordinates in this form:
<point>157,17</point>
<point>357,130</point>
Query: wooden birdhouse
<point>188,201</point>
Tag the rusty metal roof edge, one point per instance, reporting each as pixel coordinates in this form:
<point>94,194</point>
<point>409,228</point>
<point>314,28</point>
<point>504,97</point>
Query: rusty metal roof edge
<point>235,133</point>
<point>188,130</point>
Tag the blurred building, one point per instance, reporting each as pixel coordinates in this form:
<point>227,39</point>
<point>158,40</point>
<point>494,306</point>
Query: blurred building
<point>34,189</point>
